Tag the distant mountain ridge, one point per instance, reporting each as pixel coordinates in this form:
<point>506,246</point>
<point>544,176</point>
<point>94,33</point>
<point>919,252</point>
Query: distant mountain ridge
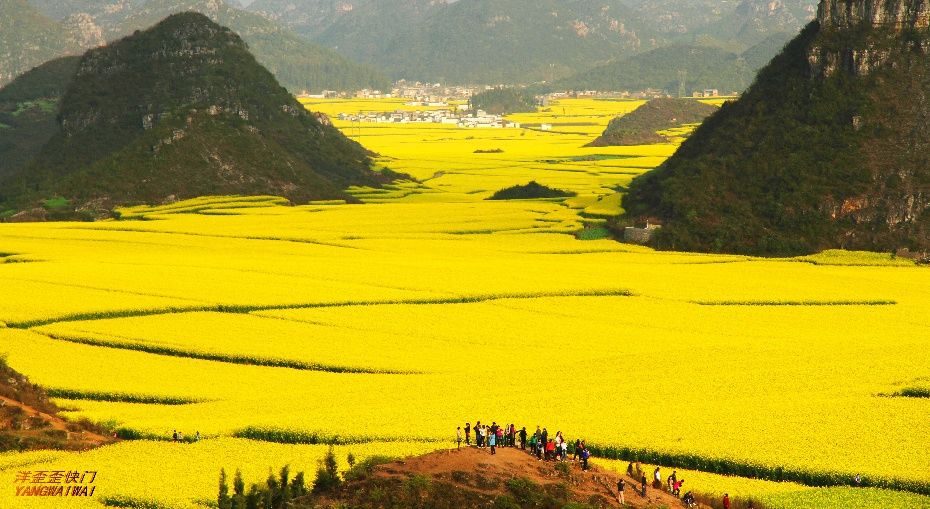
<point>307,18</point>
<point>698,67</point>
<point>829,148</point>
<point>177,111</point>
<point>464,41</point>
<point>486,41</point>
<point>29,38</point>
<point>523,41</point>
<point>752,21</point>
<point>296,62</point>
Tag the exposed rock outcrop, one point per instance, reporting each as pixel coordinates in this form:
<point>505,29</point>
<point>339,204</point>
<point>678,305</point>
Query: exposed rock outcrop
<point>82,31</point>
<point>895,14</point>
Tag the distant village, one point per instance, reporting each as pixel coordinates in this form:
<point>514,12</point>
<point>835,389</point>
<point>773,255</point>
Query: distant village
<point>453,117</point>
<point>436,94</point>
<point>449,104</point>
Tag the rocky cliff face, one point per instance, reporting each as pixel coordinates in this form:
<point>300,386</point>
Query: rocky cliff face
<point>83,31</point>
<point>896,14</point>
<point>866,33</point>
<point>837,145</point>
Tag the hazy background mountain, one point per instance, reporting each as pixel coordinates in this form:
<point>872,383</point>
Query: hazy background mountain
<point>103,10</point>
<point>350,44</point>
<point>698,67</point>
<point>487,41</point>
<point>29,38</point>
<point>673,18</point>
<point>297,63</point>
<point>524,41</point>
<point>752,21</point>
<point>308,18</point>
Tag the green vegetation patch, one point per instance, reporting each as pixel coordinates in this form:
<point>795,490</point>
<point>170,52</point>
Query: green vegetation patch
<point>594,233</point>
<point>56,203</point>
<point>532,190</point>
<point>117,397</point>
<point>45,105</point>
<point>642,126</point>
<point>502,101</point>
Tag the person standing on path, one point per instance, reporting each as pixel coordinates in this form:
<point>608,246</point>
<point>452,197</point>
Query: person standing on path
<point>644,485</point>
<point>620,486</point>
<point>523,438</point>
<point>492,441</point>
<point>458,437</point>
<point>585,454</point>
<point>726,501</point>
<point>467,433</point>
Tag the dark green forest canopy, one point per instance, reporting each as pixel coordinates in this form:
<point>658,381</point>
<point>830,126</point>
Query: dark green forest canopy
<point>503,101</point>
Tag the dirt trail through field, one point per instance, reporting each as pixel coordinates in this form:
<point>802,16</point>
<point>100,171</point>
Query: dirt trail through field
<point>57,423</point>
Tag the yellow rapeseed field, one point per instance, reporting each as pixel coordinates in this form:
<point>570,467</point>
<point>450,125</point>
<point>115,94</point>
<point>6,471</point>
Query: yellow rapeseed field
<point>183,475</point>
<point>259,324</point>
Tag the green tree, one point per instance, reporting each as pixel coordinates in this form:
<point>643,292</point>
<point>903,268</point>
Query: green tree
<point>327,475</point>
<point>283,496</point>
<point>238,500</point>
<point>298,486</point>
<point>222,499</point>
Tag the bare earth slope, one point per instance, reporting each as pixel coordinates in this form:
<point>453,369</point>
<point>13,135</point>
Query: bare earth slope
<point>471,478</point>
<point>28,420</point>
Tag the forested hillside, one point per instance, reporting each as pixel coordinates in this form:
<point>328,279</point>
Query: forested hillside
<point>828,149</point>
<point>182,110</point>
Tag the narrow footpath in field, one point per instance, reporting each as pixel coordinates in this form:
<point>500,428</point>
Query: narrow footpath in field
<point>88,438</point>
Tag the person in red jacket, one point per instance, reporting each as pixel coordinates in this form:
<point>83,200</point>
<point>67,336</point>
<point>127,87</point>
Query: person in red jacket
<point>726,501</point>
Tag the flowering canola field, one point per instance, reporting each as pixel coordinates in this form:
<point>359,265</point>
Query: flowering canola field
<point>271,328</point>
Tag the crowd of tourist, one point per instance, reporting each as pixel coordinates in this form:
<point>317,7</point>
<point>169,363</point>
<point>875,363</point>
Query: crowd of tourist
<point>544,446</point>
<point>547,447</point>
